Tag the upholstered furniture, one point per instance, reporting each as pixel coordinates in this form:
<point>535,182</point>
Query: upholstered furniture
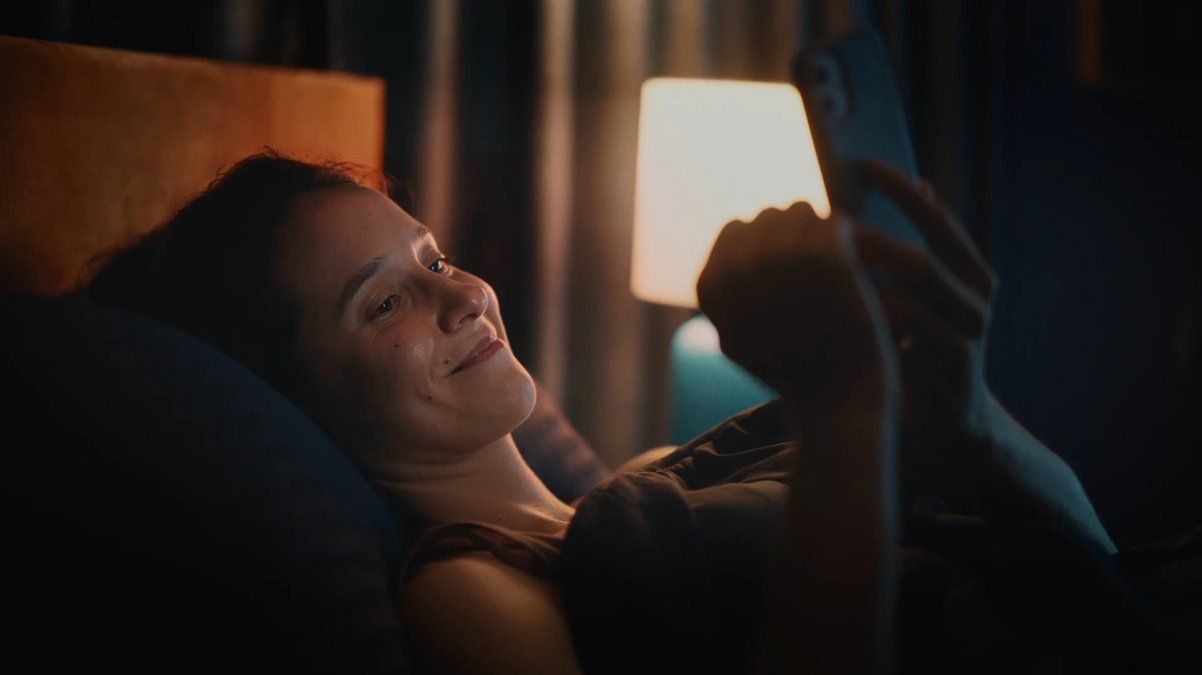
<point>164,507</point>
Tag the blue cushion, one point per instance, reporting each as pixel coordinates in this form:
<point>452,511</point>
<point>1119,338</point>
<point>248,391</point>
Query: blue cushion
<point>169,510</point>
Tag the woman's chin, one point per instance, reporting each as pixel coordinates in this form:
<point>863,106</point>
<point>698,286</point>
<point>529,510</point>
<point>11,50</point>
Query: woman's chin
<point>501,398</point>
<point>519,395</point>
<point>500,373</point>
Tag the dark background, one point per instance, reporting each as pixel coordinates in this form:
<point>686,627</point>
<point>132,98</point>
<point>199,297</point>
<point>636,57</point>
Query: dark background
<point>1065,133</point>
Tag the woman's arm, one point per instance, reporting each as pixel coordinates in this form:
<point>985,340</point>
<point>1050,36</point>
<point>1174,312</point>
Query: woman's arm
<point>953,429</point>
<point>472,615</point>
<point>792,305</point>
<point>1022,482</point>
<point>830,603</point>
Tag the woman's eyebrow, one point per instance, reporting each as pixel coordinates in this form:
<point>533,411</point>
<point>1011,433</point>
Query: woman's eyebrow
<point>369,270</point>
<point>356,282</point>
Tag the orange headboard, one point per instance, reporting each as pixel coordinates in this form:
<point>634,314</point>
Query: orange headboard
<point>98,145</point>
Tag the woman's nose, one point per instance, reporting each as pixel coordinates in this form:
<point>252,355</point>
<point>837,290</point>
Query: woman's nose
<point>461,302</point>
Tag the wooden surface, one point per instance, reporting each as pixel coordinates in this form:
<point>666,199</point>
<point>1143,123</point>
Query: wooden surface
<point>99,145</point>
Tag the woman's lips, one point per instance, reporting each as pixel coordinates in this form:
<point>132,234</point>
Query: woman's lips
<point>487,346</point>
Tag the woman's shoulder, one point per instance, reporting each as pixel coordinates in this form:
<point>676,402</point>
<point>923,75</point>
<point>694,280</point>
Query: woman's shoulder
<point>473,613</point>
<point>469,573</point>
<point>535,554</point>
<point>468,559</point>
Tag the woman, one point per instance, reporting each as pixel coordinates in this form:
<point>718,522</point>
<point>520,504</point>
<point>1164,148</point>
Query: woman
<point>333,293</point>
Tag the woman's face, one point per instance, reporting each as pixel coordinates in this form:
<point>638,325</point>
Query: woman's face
<point>403,349</point>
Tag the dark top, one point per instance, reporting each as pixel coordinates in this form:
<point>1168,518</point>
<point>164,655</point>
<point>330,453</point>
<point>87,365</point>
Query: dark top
<point>663,571</point>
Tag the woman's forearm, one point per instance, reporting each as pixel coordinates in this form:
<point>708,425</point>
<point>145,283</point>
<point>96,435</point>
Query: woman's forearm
<point>1023,484</point>
<point>829,606</point>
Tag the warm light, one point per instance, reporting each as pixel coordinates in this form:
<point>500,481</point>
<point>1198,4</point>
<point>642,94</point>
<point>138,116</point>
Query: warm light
<point>712,151</point>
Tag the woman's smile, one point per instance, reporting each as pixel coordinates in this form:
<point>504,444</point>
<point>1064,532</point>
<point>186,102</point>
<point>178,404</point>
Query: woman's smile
<point>484,349</point>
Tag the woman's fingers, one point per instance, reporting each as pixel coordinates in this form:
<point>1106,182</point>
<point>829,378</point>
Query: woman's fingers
<point>774,237</point>
<point>803,210</point>
<point>941,229</point>
<point>916,329</point>
<point>918,273</point>
<point>790,302</point>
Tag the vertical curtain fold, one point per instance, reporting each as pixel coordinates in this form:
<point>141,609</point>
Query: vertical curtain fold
<point>437,177</point>
<point>555,191</point>
<point>605,347</point>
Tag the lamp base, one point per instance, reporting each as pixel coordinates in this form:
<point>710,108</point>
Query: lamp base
<point>707,387</point>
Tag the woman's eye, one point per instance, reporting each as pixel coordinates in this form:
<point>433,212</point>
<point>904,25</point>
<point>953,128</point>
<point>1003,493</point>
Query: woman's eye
<point>385,307</point>
<point>441,266</point>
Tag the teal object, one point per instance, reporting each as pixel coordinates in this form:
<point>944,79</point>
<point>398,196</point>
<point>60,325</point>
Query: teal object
<point>707,387</point>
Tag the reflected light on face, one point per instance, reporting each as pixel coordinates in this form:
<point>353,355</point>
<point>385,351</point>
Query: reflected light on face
<point>404,350</point>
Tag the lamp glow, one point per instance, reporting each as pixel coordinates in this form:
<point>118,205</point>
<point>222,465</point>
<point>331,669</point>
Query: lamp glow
<point>712,151</point>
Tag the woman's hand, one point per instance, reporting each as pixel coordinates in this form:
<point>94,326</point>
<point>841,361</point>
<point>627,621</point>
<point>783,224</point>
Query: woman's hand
<point>953,428</point>
<point>793,306</point>
<point>938,305</point>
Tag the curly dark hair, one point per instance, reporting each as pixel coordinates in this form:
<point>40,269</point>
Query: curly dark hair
<point>207,270</point>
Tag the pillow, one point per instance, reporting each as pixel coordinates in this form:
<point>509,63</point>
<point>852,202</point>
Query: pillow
<point>556,452</point>
<point>168,510</point>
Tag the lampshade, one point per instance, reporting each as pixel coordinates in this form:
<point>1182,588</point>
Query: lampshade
<point>711,151</point>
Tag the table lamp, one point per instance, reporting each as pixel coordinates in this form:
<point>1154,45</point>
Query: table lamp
<point>711,151</point>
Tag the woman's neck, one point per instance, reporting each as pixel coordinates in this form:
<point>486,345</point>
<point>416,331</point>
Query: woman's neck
<point>493,485</point>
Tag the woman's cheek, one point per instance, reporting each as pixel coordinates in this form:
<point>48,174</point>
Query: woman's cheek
<point>406,396</point>
<point>413,368</point>
<point>381,373</point>
<point>494,316</point>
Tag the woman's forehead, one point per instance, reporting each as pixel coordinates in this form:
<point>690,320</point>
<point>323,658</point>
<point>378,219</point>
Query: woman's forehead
<point>336,212</point>
<point>334,232</point>
<point>346,225</point>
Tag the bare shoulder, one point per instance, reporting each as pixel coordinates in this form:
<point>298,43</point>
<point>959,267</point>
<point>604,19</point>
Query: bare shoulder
<point>475,614</point>
<point>479,576</point>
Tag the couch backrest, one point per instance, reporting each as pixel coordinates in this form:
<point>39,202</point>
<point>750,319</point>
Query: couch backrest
<point>99,145</point>
<point>164,507</point>
<point>164,510</point>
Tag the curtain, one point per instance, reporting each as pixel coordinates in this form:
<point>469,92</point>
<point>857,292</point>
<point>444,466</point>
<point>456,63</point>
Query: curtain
<point>527,160</point>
